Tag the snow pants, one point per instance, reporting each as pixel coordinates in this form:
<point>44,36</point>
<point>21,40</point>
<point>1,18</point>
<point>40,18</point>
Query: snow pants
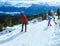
<point>23,26</point>
<point>49,24</point>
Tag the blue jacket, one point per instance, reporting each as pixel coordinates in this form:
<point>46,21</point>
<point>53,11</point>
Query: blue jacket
<point>49,18</point>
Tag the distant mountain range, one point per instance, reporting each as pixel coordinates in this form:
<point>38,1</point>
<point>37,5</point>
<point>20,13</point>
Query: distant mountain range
<point>33,9</point>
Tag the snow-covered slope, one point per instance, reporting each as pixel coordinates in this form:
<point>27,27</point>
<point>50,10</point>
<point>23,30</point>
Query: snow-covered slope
<point>38,34</point>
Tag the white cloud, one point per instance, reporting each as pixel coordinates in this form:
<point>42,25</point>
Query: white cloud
<point>2,0</point>
<point>14,2</point>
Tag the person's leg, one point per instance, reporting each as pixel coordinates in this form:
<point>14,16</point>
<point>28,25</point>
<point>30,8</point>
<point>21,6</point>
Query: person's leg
<point>25,26</point>
<point>48,23</point>
<point>22,27</point>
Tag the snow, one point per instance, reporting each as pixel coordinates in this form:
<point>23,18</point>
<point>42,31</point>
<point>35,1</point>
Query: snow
<point>38,34</point>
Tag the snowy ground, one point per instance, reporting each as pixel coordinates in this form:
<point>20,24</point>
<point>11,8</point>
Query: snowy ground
<point>38,34</point>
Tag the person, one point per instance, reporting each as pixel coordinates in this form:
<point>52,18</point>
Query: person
<point>54,20</point>
<point>24,21</point>
<point>49,20</point>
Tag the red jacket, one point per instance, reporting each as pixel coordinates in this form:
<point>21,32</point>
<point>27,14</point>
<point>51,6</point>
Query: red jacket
<point>24,18</point>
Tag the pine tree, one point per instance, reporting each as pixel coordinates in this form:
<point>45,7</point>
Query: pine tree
<point>50,13</point>
<point>58,12</point>
<point>8,21</point>
<point>1,27</point>
<point>39,18</point>
<point>44,15</point>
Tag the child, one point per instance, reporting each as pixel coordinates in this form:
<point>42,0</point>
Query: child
<point>54,20</point>
<point>49,20</point>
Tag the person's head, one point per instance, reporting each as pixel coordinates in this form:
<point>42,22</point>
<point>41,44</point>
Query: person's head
<point>21,14</point>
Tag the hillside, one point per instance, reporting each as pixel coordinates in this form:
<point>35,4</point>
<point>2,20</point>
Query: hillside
<point>38,34</point>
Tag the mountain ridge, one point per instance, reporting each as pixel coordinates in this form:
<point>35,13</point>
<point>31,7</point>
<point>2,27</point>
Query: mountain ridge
<point>33,9</point>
